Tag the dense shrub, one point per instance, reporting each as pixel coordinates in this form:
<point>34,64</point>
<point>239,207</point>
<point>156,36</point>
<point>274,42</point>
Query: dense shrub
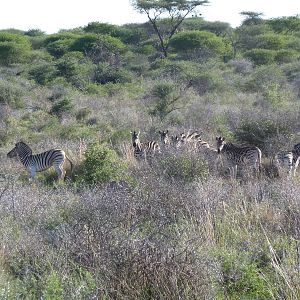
<point>184,167</point>
<point>11,93</point>
<point>101,165</point>
<point>260,56</point>
<point>14,48</point>
<point>286,56</point>
<point>260,132</point>
<point>203,44</point>
<point>62,106</point>
<point>43,73</point>
<point>104,73</point>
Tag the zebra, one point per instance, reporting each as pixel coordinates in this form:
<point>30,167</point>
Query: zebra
<point>40,162</point>
<point>165,138</point>
<point>235,155</point>
<point>289,160</point>
<point>297,149</point>
<point>141,150</point>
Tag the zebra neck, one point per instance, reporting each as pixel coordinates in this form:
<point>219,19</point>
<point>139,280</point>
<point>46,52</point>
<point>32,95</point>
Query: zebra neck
<point>24,158</point>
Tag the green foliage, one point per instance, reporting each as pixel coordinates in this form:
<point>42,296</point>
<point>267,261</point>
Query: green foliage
<point>69,64</point>
<point>165,96</point>
<point>104,73</point>
<point>243,279</point>
<point>198,40</point>
<point>59,47</point>
<point>184,168</point>
<point>53,287</point>
<point>286,56</point>
<point>11,93</point>
<point>270,41</point>
<point>83,113</point>
<point>124,34</point>
<point>259,131</point>
<point>62,106</point>
<point>101,165</point>
<point>285,25</point>
<point>43,73</point>
<point>264,76</point>
<point>14,48</point>
<point>260,56</point>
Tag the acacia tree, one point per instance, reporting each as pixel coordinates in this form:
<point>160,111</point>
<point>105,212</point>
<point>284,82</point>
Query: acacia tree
<point>174,10</point>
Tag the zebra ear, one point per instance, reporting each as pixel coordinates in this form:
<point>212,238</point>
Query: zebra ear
<point>167,131</point>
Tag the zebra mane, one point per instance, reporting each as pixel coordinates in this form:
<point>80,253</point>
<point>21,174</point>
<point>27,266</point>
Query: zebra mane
<point>25,146</point>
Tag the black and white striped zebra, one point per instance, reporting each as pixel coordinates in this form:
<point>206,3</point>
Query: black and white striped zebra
<point>239,156</point>
<point>142,150</point>
<point>165,138</point>
<point>193,141</point>
<point>288,160</point>
<point>296,149</point>
<point>40,162</point>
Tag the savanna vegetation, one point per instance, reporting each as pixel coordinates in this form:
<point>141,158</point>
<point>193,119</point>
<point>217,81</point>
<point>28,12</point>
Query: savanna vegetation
<point>175,227</point>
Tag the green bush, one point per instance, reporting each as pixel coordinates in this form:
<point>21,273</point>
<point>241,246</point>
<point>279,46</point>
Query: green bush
<point>43,73</point>
<point>286,56</point>
<point>11,93</point>
<point>59,48</point>
<point>260,131</point>
<point>206,44</point>
<point>104,73</point>
<point>14,48</point>
<point>270,41</point>
<point>101,165</point>
<point>62,106</point>
<point>69,64</point>
<point>261,56</point>
<point>184,168</point>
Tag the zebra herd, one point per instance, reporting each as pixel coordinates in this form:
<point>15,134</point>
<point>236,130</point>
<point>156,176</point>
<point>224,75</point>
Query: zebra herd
<point>241,156</point>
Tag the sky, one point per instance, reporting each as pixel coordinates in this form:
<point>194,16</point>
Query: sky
<point>52,16</point>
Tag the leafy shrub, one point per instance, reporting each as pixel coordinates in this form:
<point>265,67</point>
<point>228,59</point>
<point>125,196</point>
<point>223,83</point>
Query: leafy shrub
<point>11,93</point>
<point>286,56</point>
<point>270,41</point>
<point>43,73</point>
<point>69,64</point>
<point>264,76</point>
<point>101,165</point>
<point>59,47</point>
<point>206,44</point>
<point>184,168</point>
<point>260,131</point>
<point>261,56</point>
<point>83,113</point>
<point>62,106</point>
<point>99,48</point>
<point>104,73</point>
<point>14,48</point>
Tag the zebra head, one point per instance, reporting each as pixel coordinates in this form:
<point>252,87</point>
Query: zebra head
<point>220,143</point>
<point>176,141</point>
<point>164,137</point>
<point>21,149</point>
<point>135,139</point>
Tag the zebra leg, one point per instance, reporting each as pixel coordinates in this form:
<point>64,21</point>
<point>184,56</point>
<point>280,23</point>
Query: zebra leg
<point>60,171</point>
<point>32,172</point>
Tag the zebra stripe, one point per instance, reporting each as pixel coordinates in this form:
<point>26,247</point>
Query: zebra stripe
<point>288,160</point>
<point>249,155</point>
<point>42,161</point>
<point>164,138</point>
<point>141,150</point>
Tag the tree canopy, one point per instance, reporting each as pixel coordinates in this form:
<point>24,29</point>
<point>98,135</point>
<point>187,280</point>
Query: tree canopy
<point>174,10</point>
